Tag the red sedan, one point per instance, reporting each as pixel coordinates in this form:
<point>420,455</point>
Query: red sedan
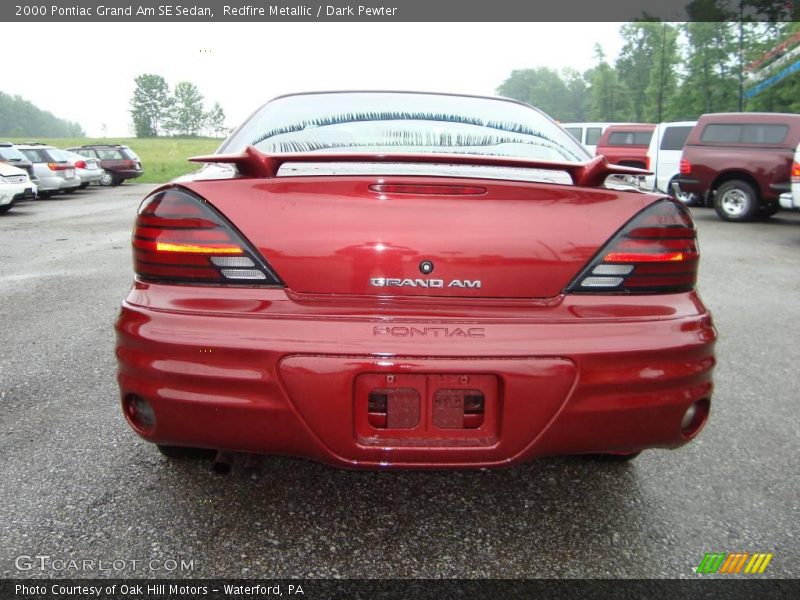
<point>408,280</point>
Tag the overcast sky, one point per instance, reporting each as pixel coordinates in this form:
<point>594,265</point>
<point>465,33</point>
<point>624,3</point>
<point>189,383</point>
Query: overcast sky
<point>84,71</point>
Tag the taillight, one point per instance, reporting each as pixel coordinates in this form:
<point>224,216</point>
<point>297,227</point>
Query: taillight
<point>80,164</point>
<point>686,167</point>
<point>796,172</point>
<point>656,252</point>
<point>647,163</point>
<point>59,166</point>
<point>179,237</point>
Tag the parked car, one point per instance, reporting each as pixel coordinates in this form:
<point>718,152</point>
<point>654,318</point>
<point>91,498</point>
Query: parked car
<point>368,293</point>
<point>15,185</point>
<point>54,171</point>
<point>10,155</point>
<point>626,144</point>
<point>119,162</point>
<point>588,134</point>
<point>88,169</point>
<point>740,163</point>
<point>791,200</point>
<point>664,159</point>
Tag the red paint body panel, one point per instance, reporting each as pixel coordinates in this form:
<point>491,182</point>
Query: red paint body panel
<point>331,235</point>
<point>262,370</point>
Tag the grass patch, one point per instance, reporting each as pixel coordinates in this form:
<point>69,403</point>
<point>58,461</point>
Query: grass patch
<point>163,159</point>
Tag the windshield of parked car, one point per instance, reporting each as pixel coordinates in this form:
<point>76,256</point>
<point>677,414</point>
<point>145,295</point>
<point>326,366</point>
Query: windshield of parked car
<point>386,122</point>
<point>10,153</point>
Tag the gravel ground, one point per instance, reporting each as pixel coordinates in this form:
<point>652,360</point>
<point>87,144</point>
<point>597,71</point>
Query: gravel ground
<point>76,483</point>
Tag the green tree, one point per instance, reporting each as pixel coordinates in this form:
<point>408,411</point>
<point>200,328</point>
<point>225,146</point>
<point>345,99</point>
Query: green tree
<point>541,87</point>
<point>20,118</point>
<point>215,120</point>
<point>149,105</point>
<point>186,115</point>
<point>609,101</point>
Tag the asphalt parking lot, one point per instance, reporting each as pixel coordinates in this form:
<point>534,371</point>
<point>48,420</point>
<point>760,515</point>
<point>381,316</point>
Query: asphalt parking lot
<point>76,483</point>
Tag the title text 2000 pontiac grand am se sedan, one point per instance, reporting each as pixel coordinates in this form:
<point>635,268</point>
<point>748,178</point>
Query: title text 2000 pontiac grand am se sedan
<point>409,280</point>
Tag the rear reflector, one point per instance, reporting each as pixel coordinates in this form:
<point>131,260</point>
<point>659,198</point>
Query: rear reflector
<point>180,238</point>
<point>656,252</point>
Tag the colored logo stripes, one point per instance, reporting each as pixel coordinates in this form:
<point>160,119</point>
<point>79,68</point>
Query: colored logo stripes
<point>734,562</point>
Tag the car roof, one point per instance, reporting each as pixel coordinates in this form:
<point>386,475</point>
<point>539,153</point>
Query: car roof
<point>749,117</point>
<point>34,145</point>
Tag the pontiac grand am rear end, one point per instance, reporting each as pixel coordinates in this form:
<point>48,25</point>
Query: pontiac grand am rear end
<point>403,280</point>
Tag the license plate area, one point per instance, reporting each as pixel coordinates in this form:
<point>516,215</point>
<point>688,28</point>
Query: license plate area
<point>399,409</point>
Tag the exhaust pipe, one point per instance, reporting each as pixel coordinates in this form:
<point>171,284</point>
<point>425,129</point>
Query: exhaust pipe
<point>223,462</point>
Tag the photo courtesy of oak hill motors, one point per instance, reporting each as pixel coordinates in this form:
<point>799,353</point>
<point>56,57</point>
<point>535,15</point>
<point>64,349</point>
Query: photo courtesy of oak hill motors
<point>179,10</point>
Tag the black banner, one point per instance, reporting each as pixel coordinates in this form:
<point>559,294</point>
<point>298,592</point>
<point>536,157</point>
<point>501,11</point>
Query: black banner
<point>395,10</point>
<point>352,589</point>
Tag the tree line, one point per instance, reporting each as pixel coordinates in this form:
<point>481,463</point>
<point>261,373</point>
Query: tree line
<point>21,118</point>
<point>664,72</point>
<point>157,111</point>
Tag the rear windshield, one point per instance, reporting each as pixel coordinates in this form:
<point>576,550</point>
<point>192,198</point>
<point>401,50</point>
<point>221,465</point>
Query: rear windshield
<point>574,132</point>
<point>10,153</point>
<point>751,133</point>
<point>109,154</point>
<point>675,137</point>
<point>629,138</point>
<point>129,154</point>
<point>385,122</point>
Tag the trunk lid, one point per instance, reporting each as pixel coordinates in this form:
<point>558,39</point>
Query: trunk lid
<point>372,235</point>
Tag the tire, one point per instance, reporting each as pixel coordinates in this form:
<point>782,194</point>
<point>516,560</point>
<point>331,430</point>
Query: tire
<point>70,191</point>
<point>684,198</point>
<point>5,208</point>
<point>84,185</point>
<point>614,458</point>
<point>736,201</point>
<point>185,452</point>
<point>44,195</point>
<point>108,178</point>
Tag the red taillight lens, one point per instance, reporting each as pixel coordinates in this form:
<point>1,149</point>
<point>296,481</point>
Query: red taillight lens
<point>81,164</point>
<point>686,167</point>
<point>59,166</point>
<point>647,163</point>
<point>180,238</point>
<point>796,172</point>
<point>656,252</point>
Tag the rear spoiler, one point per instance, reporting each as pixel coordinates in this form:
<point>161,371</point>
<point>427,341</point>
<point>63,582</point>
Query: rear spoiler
<point>254,163</point>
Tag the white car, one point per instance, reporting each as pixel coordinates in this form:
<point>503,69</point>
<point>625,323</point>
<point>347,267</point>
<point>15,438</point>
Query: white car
<point>15,185</point>
<point>791,200</point>
<point>587,134</point>
<point>88,169</point>
<point>664,158</point>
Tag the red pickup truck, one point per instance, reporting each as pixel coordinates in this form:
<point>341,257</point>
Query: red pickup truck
<point>740,162</point>
<point>626,144</point>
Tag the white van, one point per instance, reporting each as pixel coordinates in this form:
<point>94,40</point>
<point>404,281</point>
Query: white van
<point>664,158</point>
<point>587,134</point>
<point>791,200</point>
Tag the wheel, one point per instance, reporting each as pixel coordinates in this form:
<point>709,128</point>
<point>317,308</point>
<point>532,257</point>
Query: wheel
<point>736,201</point>
<point>108,178</point>
<point>683,197</point>
<point>616,458</point>
<point>84,185</point>
<point>44,195</point>
<point>5,208</point>
<point>185,452</point>
<point>70,190</point>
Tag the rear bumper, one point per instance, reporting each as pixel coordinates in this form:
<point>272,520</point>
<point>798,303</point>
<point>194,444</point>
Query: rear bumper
<point>254,371</point>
